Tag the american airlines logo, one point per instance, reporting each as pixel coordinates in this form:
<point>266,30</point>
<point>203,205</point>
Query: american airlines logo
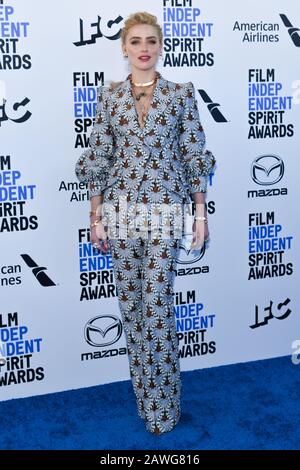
<point>38,272</point>
<point>292,30</point>
<point>213,108</point>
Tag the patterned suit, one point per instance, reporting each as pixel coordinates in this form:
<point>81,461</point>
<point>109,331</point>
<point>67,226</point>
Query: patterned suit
<point>161,164</point>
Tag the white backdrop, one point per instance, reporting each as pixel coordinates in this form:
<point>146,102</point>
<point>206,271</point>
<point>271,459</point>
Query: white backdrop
<point>54,310</point>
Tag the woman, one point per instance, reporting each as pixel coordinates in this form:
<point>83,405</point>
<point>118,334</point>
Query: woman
<point>147,152</point>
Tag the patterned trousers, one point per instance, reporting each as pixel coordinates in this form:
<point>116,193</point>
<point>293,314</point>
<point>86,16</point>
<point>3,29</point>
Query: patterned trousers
<point>144,275</point>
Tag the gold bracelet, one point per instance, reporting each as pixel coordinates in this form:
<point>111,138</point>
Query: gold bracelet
<point>94,224</point>
<point>94,213</point>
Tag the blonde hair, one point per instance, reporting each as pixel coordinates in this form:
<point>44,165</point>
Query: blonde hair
<point>141,17</point>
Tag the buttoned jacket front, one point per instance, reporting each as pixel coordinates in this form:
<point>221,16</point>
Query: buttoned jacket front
<point>164,159</point>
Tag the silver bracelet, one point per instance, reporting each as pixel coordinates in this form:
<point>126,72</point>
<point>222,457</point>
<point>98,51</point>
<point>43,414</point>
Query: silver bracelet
<point>199,217</point>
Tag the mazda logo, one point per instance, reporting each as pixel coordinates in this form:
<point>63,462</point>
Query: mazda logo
<point>103,330</point>
<point>188,256</point>
<point>267,170</point>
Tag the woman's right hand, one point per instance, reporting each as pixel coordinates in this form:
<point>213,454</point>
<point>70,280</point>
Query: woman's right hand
<point>99,238</point>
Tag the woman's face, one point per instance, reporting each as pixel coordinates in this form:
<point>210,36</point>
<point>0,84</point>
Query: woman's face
<point>142,46</point>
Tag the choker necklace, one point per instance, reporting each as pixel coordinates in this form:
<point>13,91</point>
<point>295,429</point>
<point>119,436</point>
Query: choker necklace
<point>142,84</point>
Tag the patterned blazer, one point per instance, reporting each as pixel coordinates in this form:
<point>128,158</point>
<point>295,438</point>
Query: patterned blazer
<point>165,161</point>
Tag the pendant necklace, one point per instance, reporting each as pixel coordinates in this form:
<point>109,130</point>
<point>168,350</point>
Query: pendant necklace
<point>138,96</point>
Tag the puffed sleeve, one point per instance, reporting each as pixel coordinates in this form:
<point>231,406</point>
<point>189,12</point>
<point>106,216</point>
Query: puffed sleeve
<point>93,165</point>
<point>198,162</point>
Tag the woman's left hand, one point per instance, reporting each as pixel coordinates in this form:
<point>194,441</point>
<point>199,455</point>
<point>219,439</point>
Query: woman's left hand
<point>200,234</point>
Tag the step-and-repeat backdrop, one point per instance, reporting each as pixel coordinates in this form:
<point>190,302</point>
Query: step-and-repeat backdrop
<point>236,301</point>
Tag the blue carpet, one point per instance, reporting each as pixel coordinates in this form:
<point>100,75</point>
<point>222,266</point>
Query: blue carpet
<point>253,405</point>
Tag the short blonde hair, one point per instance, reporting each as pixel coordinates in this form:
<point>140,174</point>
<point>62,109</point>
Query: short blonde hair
<point>141,17</point>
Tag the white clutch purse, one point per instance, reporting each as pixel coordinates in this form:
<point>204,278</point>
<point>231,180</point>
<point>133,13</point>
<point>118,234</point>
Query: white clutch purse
<point>188,226</point>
